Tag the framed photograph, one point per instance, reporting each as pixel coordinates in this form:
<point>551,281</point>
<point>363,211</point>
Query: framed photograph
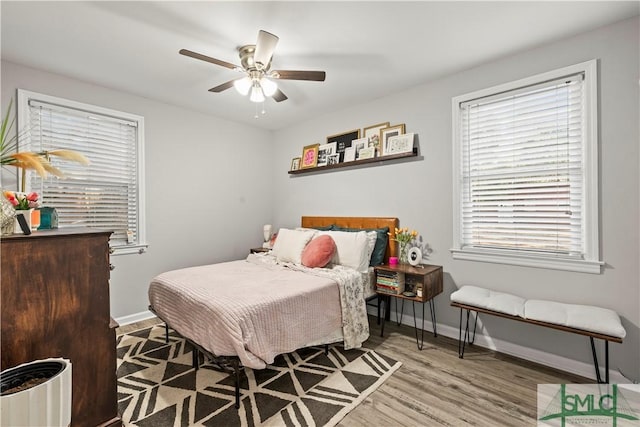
<point>343,141</point>
<point>333,159</point>
<point>350,154</point>
<point>387,133</point>
<point>324,151</point>
<point>399,144</point>
<point>372,133</point>
<point>359,144</point>
<point>367,153</point>
<point>309,156</point>
<point>295,163</point>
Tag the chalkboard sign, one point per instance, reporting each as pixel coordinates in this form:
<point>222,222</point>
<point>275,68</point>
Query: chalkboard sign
<point>343,141</point>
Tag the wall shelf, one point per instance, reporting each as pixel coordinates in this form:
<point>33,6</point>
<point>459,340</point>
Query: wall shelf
<point>357,163</point>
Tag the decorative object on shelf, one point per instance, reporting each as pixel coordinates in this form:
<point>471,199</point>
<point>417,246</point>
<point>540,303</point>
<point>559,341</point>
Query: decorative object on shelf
<point>387,133</point>
<point>372,134</point>
<point>324,151</point>
<point>24,205</point>
<point>267,232</point>
<point>343,141</point>
<point>48,218</point>
<point>399,144</point>
<point>404,237</point>
<point>415,256</point>
<point>333,159</point>
<point>310,156</point>
<point>349,154</point>
<point>359,144</point>
<point>7,217</point>
<point>367,153</point>
<point>393,260</point>
<point>295,163</point>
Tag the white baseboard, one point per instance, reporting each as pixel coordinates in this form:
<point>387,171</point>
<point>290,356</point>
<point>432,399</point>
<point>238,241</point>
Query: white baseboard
<point>133,318</point>
<point>547,359</point>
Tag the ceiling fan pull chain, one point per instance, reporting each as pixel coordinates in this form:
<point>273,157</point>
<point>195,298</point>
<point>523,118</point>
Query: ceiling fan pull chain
<point>256,115</point>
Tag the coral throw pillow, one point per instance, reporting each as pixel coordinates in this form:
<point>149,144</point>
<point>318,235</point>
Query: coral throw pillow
<point>318,252</point>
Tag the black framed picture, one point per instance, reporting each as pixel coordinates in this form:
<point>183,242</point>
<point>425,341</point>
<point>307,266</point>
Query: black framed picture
<point>343,141</point>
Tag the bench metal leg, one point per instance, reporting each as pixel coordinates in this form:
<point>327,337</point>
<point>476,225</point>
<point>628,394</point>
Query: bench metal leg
<point>468,338</point>
<point>606,361</point>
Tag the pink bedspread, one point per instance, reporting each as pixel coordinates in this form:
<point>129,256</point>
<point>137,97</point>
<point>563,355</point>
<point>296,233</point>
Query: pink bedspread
<point>247,310</point>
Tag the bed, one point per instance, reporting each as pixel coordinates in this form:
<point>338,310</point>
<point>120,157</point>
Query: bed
<point>251,310</point>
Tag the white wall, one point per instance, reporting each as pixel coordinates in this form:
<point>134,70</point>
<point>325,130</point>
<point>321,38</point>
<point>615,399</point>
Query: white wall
<point>387,189</point>
<point>206,195</point>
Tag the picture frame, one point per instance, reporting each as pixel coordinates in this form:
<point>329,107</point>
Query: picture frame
<point>388,132</point>
<point>324,151</point>
<point>333,159</point>
<point>295,163</point>
<point>350,154</point>
<point>359,144</point>
<point>343,141</point>
<point>309,156</point>
<point>367,153</point>
<point>372,133</point>
<point>399,144</point>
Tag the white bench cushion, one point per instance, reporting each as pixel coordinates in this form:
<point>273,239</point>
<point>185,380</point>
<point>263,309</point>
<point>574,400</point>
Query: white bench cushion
<point>490,300</point>
<point>585,317</point>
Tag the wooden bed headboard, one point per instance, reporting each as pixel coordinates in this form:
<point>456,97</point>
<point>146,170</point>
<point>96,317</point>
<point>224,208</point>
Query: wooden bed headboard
<point>358,222</point>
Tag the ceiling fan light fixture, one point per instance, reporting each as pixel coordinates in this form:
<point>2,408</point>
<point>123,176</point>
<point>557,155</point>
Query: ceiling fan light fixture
<point>269,87</point>
<point>256,93</point>
<point>243,85</point>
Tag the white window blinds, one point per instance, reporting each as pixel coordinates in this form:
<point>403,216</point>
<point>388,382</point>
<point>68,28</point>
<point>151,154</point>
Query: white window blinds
<point>105,194</point>
<point>522,163</point>
<point>526,172</point>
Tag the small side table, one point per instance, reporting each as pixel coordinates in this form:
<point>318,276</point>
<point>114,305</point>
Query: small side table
<point>258,250</point>
<point>425,281</point>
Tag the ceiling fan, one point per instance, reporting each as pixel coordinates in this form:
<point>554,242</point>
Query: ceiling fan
<point>258,78</point>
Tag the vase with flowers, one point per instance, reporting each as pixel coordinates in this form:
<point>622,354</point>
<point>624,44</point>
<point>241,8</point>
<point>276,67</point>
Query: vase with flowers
<point>39,161</point>
<point>404,237</point>
<point>24,204</point>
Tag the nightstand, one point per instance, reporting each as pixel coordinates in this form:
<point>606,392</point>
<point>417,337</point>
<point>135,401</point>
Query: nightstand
<point>424,281</point>
<point>258,250</point>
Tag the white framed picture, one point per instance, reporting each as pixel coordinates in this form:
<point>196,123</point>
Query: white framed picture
<point>399,144</point>
<point>367,153</point>
<point>359,144</point>
<point>350,154</point>
<point>324,151</point>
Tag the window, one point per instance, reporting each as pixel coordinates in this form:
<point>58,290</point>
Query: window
<point>526,172</point>
<point>107,194</point>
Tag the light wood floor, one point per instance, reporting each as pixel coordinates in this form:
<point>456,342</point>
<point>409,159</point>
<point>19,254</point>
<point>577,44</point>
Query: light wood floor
<point>436,388</point>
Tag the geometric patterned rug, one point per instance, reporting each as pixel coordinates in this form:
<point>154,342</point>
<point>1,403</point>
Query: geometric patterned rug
<point>157,385</point>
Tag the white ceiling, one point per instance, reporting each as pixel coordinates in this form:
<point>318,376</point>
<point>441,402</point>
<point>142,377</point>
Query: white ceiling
<point>368,49</point>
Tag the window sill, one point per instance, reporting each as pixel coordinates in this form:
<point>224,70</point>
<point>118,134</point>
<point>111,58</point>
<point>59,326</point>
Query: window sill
<point>528,260</point>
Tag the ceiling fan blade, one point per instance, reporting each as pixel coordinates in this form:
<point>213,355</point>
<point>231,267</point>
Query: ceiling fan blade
<point>317,76</point>
<point>279,96</point>
<point>223,86</point>
<point>265,46</point>
<point>207,58</point>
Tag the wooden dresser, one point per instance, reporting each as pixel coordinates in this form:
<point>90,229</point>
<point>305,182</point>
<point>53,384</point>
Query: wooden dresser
<point>55,303</point>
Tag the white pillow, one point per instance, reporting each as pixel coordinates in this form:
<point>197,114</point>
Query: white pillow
<point>352,249</point>
<point>290,244</point>
<point>372,236</point>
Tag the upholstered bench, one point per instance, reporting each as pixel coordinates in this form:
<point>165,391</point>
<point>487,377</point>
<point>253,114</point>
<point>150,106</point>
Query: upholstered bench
<point>594,322</point>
